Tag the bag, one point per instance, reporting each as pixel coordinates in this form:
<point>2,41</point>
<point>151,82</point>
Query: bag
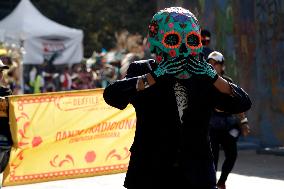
<point>233,122</point>
<point>224,121</point>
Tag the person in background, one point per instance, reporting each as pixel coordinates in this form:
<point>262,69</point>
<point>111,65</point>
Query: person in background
<point>173,96</point>
<point>13,80</point>
<point>65,79</point>
<point>135,52</point>
<point>110,68</point>
<point>205,39</point>
<point>36,80</point>
<point>5,134</point>
<point>12,76</point>
<point>225,128</point>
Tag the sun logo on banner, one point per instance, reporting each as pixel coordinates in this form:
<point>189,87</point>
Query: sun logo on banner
<point>113,154</point>
<point>55,162</point>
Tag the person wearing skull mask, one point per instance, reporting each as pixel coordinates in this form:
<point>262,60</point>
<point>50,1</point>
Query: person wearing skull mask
<point>173,96</point>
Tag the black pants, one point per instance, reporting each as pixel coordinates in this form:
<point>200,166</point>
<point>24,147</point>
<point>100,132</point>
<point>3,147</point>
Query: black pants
<point>173,183</point>
<point>175,180</point>
<point>222,139</point>
<point>4,157</point>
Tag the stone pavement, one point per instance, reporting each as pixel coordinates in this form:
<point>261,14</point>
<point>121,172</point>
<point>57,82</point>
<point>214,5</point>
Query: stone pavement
<point>252,170</point>
<point>252,164</point>
<point>257,171</point>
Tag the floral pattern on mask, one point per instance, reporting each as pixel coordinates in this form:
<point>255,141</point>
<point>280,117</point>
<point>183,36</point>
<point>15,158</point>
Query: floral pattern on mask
<point>174,32</point>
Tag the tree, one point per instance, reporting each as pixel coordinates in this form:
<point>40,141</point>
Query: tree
<point>100,19</point>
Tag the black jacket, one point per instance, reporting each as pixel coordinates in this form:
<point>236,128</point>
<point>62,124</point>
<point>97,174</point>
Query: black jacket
<point>160,140</point>
<point>4,121</point>
<point>5,134</point>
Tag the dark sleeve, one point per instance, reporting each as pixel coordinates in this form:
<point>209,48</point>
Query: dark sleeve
<point>4,91</point>
<point>121,92</point>
<point>237,103</point>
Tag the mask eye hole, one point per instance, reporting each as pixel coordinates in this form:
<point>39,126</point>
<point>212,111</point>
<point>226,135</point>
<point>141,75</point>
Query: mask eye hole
<point>193,40</point>
<point>171,40</point>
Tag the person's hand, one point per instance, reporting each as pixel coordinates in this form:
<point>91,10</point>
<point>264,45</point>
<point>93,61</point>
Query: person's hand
<point>3,107</point>
<point>170,67</point>
<point>201,68</point>
<point>245,129</point>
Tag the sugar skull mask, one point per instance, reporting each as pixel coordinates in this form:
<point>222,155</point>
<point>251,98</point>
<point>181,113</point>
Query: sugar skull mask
<point>174,32</point>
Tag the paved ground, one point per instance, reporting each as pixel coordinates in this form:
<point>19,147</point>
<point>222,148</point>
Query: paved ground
<point>252,170</point>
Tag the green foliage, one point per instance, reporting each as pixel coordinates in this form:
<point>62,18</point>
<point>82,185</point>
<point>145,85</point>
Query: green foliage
<point>100,19</point>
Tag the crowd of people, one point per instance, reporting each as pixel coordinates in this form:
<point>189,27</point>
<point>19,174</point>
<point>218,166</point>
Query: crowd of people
<point>94,72</point>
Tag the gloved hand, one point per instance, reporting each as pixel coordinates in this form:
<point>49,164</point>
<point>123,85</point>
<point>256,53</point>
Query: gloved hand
<point>201,68</point>
<point>170,67</point>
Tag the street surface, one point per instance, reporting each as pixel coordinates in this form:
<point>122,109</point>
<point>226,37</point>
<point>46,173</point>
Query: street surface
<point>252,170</point>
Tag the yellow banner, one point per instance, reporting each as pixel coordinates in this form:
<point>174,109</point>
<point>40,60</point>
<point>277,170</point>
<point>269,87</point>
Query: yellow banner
<point>67,135</point>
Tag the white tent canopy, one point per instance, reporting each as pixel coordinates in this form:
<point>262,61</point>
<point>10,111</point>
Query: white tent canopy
<point>41,36</point>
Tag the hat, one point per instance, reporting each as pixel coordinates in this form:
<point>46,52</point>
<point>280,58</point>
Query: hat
<point>217,56</point>
<point>3,66</point>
